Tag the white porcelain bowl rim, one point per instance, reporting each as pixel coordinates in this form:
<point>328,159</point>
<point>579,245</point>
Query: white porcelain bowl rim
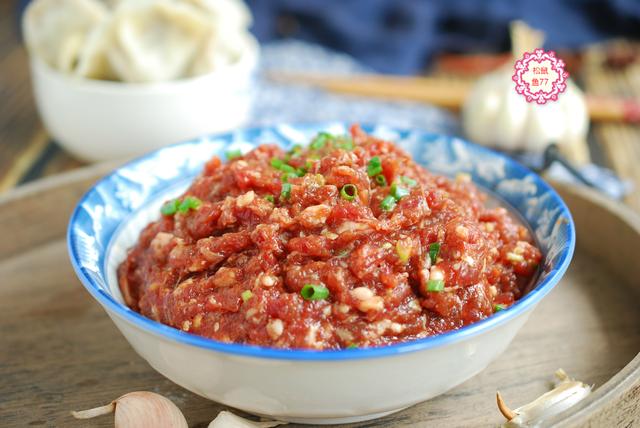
<point>247,62</point>
<point>526,303</point>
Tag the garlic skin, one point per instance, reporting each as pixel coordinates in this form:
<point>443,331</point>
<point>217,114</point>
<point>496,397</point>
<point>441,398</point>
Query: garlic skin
<point>495,115</point>
<point>229,420</point>
<point>567,393</point>
<point>140,409</point>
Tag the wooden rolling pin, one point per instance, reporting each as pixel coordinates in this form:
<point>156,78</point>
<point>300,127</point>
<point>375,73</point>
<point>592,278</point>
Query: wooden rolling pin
<point>443,92</point>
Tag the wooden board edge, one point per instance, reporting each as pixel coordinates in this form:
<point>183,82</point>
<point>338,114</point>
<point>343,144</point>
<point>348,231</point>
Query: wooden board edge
<point>47,201</point>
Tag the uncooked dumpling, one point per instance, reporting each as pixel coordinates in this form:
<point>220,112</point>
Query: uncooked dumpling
<point>229,37</point>
<point>231,14</point>
<point>56,30</point>
<point>156,40</point>
<point>93,61</point>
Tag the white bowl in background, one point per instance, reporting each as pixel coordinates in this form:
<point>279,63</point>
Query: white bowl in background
<point>98,120</point>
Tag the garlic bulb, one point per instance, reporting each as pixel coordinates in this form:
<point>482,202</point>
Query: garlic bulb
<point>567,393</point>
<point>139,409</point>
<point>495,115</point>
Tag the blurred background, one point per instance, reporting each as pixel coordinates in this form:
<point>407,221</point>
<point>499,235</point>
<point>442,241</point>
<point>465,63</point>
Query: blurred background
<point>451,45</point>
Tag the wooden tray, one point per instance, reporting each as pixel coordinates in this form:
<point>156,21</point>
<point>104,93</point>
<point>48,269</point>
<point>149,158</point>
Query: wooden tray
<point>59,351</point>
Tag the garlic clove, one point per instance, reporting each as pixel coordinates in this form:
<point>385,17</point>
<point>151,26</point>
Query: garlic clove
<point>229,420</point>
<point>566,394</point>
<point>140,409</point>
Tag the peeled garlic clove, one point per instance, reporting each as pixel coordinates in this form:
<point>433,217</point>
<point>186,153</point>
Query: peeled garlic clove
<point>229,420</point>
<point>140,409</point>
<point>566,394</point>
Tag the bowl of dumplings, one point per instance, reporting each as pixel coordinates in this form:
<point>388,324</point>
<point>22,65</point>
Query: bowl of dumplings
<point>115,79</point>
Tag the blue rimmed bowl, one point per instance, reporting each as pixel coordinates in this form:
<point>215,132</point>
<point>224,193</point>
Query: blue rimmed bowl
<point>301,385</point>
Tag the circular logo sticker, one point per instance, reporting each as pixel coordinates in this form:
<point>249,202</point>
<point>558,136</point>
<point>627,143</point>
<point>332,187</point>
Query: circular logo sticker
<point>540,76</point>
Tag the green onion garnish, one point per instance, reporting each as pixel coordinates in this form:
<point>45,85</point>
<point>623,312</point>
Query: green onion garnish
<point>320,140</point>
<point>388,203</point>
<point>374,167</point>
<point>232,154</point>
<point>286,191</point>
<point>434,249</point>
<point>435,285</point>
<point>281,165</point>
<point>349,192</point>
<point>170,208</point>
<point>295,150</point>
<point>499,307</point>
<point>314,292</point>
<point>352,346</point>
<point>189,203</point>
<point>398,192</point>
<point>381,180</point>
<point>246,295</point>
<point>344,142</point>
<point>270,198</point>
<point>408,181</point>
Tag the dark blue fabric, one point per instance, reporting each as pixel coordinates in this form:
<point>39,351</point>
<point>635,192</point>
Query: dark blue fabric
<point>401,36</point>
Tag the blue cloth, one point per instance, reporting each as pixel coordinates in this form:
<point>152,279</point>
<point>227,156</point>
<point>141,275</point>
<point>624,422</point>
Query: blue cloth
<point>402,36</point>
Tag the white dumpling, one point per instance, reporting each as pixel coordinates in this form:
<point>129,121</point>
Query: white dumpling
<point>225,13</point>
<point>222,49</point>
<point>229,38</point>
<point>155,40</point>
<point>93,61</point>
<point>56,30</point>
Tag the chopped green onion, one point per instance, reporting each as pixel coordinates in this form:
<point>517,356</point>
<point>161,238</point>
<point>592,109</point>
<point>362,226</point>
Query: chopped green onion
<point>381,180</point>
<point>434,249</point>
<point>308,165</point>
<point>246,295</point>
<point>189,203</point>
<point>270,198</point>
<point>435,285</point>
<point>408,181</point>
<point>403,251</point>
<point>349,192</point>
<point>281,165</point>
<point>286,191</point>
<point>314,292</point>
<point>295,150</point>
<point>345,142</point>
<point>398,192</point>
<point>499,307</point>
<point>170,208</point>
<point>374,167</point>
<point>388,203</point>
<point>232,154</point>
<point>352,346</point>
<point>320,140</point>
<point>285,177</point>
<point>277,163</point>
<point>300,172</point>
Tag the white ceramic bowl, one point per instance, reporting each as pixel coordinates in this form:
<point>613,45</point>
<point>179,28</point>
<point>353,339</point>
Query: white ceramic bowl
<point>102,120</point>
<point>302,385</point>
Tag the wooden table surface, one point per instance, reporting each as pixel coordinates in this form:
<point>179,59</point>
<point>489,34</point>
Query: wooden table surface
<point>27,153</point>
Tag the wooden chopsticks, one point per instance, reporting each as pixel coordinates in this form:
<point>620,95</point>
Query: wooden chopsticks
<point>440,91</point>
